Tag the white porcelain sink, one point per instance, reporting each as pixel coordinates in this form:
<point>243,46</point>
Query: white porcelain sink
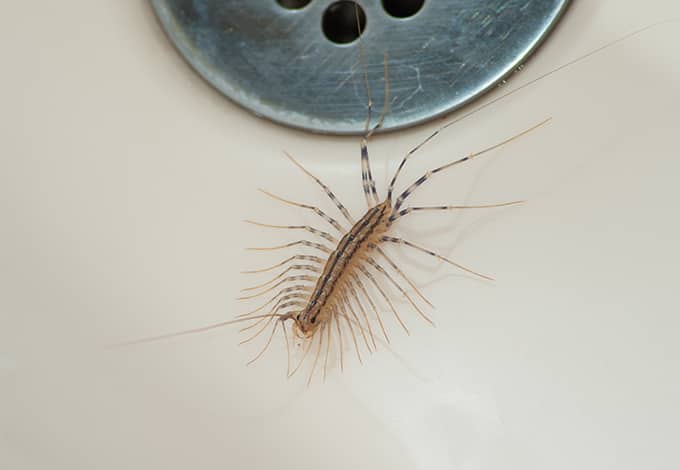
<point>124,181</point>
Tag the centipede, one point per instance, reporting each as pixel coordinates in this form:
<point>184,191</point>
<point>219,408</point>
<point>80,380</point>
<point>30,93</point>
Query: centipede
<point>331,301</point>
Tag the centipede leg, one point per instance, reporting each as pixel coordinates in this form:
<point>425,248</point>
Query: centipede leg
<point>316,357</point>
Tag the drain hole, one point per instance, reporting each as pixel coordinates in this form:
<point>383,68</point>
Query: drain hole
<point>402,8</point>
<point>293,4</point>
<point>339,22</point>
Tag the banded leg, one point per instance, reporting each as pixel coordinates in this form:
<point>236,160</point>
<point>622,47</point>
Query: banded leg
<point>340,346</point>
<point>306,243</point>
<point>354,295</point>
<point>343,210</point>
<point>401,273</point>
<point>313,259</point>
<point>385,296</point>
<point>381,270</point>
<point>328,350</point>
<point>296,295</point>
<point>295,267</point>
<point>316,357</point>
<point>430,173</point>
<point>284,329</point>
<point>347,307</point>
<point>400,241</point>
<point>283,281</point>
<point>363,290</point>
<point>354,337</point>
<point>315,231</point>
<point>282,291</point>
<point>366,174</point>
<point>367,177</point>
<point>277,309</point>
<point>409,210</point>
<point>336,225</point>
<point>354,315</point>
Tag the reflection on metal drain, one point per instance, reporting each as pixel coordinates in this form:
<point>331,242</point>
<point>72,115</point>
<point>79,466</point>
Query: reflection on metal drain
<point>297,61</point>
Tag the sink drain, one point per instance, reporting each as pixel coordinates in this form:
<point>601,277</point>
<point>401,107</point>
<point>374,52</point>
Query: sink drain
<point>297,61</point>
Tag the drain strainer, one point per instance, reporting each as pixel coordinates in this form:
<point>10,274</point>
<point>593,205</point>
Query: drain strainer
<point>301,62</point>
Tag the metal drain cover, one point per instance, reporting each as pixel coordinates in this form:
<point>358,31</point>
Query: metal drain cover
<point>294,61</point>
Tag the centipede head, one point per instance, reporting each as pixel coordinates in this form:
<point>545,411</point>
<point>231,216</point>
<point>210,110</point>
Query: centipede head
<point>303,328</point>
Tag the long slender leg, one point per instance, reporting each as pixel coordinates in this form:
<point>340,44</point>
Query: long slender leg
<point>316,358</point>
<point>304,356</point>
<point>284,329</point>
<point>283,281</point>
<point>385,296</point>
<point>363,290</point>
<point>340,346</point>
<point>512,92</point>
<point>306,243</point>
<point>259,355</point>
<point>347,307</point>
<point>403,276</point>
<point>328,350</point>
<point>353,295</point>
<point>298,296</point>
<point>381,270</point>
<point>250,327</point>
<point>277,309</point>
<point>354,337</point>
<point>430,173</point>
<point>282,291</point>
<point>436,255</point>
<point>318,211</point>
<point>343,210</point>
<point>295,267</point>
<point>409,210</point>
<point>315,231</point>
<point>313,259</point>
<point>258,332</point>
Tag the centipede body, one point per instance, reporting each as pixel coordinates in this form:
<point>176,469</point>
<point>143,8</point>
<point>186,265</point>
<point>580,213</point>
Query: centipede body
<point>336,293</point>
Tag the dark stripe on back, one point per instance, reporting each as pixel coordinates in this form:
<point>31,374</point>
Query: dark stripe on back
<point>367,224</point>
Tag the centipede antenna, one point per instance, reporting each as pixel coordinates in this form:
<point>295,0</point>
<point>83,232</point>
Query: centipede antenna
<point>192,331</point>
